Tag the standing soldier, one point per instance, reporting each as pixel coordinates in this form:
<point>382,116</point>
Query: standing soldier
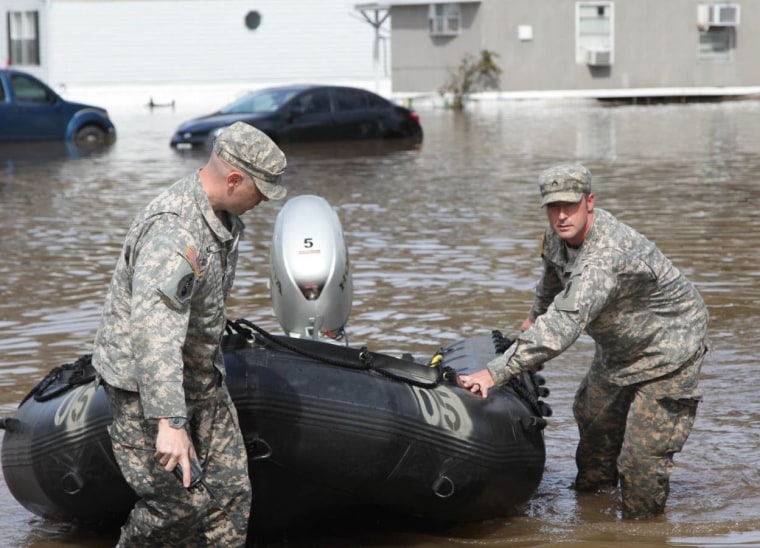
<point>637,403</point>
<point>158,352</point>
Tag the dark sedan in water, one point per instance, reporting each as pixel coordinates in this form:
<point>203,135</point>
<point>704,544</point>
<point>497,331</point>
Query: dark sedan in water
<point>306,113</point>
<point>31,111</point>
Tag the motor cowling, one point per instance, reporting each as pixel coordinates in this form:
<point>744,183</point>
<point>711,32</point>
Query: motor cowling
<point>310,275</point>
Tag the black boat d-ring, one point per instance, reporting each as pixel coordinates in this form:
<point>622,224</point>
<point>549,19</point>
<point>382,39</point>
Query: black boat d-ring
<point>443,487</point>
<point>72,483</point>
<point>256,449</point>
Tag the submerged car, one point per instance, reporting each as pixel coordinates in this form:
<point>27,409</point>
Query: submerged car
<point>306,113</point>
<point>31,111</point>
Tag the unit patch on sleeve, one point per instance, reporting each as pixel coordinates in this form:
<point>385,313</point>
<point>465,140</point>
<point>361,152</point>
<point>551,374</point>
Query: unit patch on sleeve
<point>177,290</point>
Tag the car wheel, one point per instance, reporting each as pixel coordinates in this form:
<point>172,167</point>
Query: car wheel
<point>91,135</point>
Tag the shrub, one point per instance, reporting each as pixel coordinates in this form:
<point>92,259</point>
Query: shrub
<point>473,74</point>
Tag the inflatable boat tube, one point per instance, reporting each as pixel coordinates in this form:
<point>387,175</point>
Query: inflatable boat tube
<point>327,428</point>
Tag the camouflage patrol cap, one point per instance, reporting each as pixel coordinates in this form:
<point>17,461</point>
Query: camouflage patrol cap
<point>251,150</point>
<point>564,183</point>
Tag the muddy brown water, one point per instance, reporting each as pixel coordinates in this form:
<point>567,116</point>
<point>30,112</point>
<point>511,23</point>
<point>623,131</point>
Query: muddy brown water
<point>443,240</point>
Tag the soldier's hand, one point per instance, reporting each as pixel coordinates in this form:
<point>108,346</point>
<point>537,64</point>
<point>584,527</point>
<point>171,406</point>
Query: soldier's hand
<point>174,446</point>
<point>477,383</point>
<point>526,324</point>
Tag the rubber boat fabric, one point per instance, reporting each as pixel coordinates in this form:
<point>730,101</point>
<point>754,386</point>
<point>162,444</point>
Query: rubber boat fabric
<point>327,428</point>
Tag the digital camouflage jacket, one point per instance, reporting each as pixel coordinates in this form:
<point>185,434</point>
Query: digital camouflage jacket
<point>164,314</point>
<point>645,316</point>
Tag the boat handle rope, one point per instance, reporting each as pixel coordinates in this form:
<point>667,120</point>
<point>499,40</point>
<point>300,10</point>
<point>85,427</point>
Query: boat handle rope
<point>539,407</point>
<point>365,358</point>
<point>237,327</point>
<point>67,375</point>
<point>10,424</point>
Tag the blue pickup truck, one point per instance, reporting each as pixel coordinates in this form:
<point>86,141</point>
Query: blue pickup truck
<point>31,111</point>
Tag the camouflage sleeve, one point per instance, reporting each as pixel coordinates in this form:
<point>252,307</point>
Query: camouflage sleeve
<point>548,286</point>
<point>586,294</point>
<point>162,284</point>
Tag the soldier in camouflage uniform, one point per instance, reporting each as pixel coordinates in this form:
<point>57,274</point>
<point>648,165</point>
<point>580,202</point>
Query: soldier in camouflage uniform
<point>637,403</point>
<point>158,352</point>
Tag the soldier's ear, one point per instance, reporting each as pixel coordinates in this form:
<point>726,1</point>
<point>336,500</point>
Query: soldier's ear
<point>234,178</point>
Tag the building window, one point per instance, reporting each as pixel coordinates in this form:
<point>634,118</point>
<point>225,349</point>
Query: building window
<point>594,33</point>
<point>23,38</point>
<point>717,24</point>
<point>716,43</point>
<point>444,19</point>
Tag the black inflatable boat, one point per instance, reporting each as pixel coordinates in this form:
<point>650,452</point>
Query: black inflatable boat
<point>327,428</point>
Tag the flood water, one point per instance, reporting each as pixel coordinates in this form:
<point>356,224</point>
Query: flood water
<point>444,244</point>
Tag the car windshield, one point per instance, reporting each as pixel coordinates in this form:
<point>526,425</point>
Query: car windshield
<point>267,100</point>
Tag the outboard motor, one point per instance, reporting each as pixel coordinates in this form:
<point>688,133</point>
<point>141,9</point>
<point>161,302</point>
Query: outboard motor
<point>310,281</point>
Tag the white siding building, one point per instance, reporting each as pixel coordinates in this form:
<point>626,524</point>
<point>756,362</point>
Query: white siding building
<point>72,43</point>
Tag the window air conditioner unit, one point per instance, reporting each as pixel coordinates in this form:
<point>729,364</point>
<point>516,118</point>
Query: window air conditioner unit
<point>598,57</point>
<point>718,15</point>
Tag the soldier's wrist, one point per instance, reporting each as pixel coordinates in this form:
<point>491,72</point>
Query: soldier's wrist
<point>178,423</point>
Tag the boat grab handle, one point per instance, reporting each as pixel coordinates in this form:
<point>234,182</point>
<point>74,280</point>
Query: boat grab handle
<point>258,448</point>
<point>443,487</point>
<point>267,450</point>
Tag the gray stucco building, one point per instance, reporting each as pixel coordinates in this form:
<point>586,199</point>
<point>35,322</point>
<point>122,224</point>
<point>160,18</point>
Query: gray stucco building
<point>608,46</point>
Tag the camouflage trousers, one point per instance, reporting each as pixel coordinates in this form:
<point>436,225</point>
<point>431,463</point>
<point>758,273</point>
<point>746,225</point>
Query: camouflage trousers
<point>630,434</point>
<point>166,513</point>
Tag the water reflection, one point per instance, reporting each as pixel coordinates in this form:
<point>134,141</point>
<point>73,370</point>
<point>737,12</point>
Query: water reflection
<point>443,238</point>
<point>13,155</point>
